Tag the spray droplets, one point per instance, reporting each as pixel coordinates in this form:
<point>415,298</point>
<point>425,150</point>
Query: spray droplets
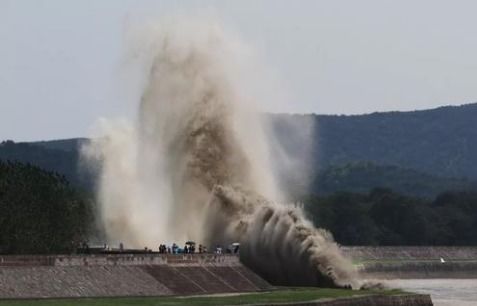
<point>196,165</point>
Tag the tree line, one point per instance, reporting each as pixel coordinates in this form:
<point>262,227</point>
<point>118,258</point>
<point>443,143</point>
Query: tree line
<point>384,217</point>
<point>40,212</point>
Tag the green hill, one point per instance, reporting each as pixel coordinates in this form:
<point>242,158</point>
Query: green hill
<point>439,141</point>
<point>59,156</point>
<point>383,217</point>
<point>418,153</point>
<point>68,145</point>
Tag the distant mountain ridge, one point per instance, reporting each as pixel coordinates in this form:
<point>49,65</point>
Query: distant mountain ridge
<point>441,141</point>
<point>417,152</point>
<point>59,156</point>
<point>69,145</point>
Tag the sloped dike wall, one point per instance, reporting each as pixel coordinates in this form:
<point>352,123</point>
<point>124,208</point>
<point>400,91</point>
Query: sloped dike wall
<point>124,275</point>
<point>414,262</point>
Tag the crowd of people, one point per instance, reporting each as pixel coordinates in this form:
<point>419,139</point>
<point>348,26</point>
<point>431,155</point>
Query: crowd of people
<point>189,248</point>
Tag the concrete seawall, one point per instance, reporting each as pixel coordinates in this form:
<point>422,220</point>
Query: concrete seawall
<point>410,252</point>
<point>414,262</point>
<point>124,275</point>
<point>70,276</point>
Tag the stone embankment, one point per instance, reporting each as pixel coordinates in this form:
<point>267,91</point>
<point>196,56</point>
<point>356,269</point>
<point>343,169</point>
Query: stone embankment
<point>69,276</point>
<point>414,262</point>
<point>124,275</point>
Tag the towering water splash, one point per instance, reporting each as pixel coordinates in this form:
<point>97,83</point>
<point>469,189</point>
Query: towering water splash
<point>196,166</point>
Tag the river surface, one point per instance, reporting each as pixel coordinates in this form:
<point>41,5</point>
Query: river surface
<point>444,292</point>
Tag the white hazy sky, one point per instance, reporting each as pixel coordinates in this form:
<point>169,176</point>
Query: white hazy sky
<point>59,59</point>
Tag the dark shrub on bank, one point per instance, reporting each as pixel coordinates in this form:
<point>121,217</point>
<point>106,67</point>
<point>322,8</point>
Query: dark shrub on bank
<point>40,212</point>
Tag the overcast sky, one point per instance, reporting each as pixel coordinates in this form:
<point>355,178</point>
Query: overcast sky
<point>59,59</point>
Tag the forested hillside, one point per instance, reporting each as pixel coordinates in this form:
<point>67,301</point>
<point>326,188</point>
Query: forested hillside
<point>59,156</point>
<point>418,153</point>
<point>41,212</point>
<point>439,141</point>
<point>361,177</point>
<point>383,217</point>
<point>383,179</point>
